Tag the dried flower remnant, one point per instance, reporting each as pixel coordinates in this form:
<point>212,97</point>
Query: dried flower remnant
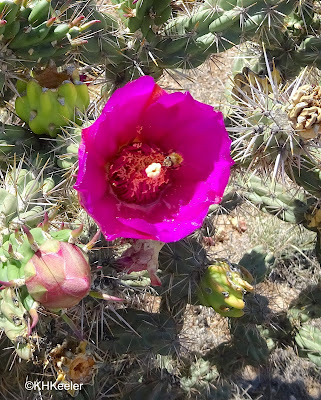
<point>249,85</point>
<point>142,255</point>
<point>74,363</point>
<point>305,111</point>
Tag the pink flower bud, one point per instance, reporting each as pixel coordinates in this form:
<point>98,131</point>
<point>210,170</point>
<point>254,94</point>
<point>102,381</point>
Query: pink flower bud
<point>58,275</point>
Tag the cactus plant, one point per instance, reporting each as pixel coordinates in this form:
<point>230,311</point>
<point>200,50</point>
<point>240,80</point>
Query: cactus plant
<point>15,140</point>
<point>146,333</point>
<point>257,262</point>
<point>53,55</point>
<point>308,340</point>
<point>22,196</point>
<point>15,321</point>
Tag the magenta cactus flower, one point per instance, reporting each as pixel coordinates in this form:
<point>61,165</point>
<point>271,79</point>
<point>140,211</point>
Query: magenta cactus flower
<point>58,275</point>
<point>152,164</point>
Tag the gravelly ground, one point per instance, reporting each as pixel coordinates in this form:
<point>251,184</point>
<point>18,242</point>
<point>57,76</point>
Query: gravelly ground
<point>206,83</point>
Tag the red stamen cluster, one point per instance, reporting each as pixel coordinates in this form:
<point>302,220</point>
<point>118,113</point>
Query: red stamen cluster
<point>128,177</point>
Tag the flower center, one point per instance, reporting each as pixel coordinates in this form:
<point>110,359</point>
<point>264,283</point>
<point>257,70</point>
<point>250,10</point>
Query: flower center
<point>138,173</point>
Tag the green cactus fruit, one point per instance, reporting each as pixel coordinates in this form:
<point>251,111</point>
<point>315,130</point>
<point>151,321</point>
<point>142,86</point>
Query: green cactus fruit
<point>52,100</point>
<point>222,287</point>
<point>142,334</point>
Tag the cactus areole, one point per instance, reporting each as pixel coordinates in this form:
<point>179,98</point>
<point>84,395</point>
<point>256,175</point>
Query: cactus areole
<point>58,275</point>
<point>152,164</point>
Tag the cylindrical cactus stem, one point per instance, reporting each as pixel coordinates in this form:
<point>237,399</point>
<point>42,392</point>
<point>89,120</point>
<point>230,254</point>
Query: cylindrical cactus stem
<point>16,322</point>
<point>141,333</point>
<point>273,199</point>
<point>19,195</point>
<point>308,339</point>
<point>307,174</point>
<point>15,140</point>
<point>306,306</point>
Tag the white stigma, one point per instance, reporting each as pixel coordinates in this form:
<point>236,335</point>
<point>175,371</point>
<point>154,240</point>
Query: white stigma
<point>153,170</point>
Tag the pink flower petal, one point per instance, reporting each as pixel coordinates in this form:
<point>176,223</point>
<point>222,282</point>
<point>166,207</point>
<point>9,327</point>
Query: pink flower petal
<point>173,123</point>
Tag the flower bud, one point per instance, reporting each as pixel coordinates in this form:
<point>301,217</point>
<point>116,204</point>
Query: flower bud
<point>58,275</point>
